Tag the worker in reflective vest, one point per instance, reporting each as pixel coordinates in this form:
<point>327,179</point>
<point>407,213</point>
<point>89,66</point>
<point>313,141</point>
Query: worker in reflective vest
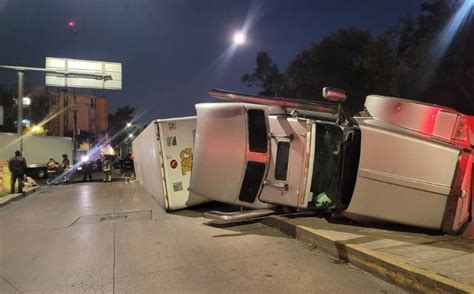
<point>107,169</point>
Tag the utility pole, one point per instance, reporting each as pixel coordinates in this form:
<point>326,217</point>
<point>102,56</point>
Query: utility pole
<point>72,27</point>
<point>19,121</point>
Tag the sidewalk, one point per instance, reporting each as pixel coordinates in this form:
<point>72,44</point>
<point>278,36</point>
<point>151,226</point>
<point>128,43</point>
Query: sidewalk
<point>16,196</point>
<point>419,260</point>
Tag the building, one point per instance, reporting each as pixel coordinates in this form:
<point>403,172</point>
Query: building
<point>55,107</point>
<point>92,113</point>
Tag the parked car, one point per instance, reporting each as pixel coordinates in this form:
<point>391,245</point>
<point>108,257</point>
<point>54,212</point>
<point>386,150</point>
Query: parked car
<point>399,161</point>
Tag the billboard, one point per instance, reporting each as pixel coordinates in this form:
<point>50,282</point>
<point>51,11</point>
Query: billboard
<point>76,73</point>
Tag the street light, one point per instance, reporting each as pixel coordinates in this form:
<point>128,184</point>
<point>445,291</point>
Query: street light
<point>239,38</point>
<point>26,101</point>
<point>129,125</point>
<point>73,28</point>
<point>130,136</point>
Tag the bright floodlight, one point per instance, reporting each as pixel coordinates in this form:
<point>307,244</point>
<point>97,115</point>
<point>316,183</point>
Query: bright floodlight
<point>35,129</point>
<point>26,101</point>
<point>85,158</point>
<point>239,38</point>
<point>129,125</point>
<point>130,135</point>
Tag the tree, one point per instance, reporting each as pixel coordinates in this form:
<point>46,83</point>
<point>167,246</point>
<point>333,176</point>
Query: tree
<point>345,59</point>
<point>266,76</point>
<point>435,62</point>
<point>39,108</point>
<point>118,124</point>
<point>9,110</point>
<point>378,63</point>
<point>337,61</point>
<point>429,58</point>
<point>36,113</point>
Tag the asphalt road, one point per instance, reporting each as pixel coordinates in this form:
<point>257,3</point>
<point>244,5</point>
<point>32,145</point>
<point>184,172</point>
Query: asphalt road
<point>114,238</point>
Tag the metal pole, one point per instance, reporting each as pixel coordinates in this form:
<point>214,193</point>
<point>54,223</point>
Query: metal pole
<point>74,34</point>
<point>19,124</point>
<point>74,133</point>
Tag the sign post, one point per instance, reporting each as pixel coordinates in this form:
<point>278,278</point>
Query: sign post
<point>19,101</point>
<point>73,73</point>
<point>110,71</point>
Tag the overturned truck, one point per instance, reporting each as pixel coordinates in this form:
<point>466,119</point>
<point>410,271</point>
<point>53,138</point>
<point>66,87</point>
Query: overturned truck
<point>398,161</point>
<point>163,160</point>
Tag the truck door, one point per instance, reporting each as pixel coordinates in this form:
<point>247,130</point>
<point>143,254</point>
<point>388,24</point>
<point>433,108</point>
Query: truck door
<point>288,181</point>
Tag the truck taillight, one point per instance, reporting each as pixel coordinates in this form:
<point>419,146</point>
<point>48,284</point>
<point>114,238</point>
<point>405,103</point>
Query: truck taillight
<point>460,130</point>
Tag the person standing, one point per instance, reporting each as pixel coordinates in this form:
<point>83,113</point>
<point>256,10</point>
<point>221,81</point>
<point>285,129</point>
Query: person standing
<point>128,168</point>
<point>17,167</point>
<point>63,167</point>
<point>107,169</point>
<point>87,169</point>
<point>65,163</point>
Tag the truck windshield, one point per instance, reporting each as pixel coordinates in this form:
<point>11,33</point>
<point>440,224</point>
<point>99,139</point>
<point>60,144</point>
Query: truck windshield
<point>257,130</point>
<point>327,165</point>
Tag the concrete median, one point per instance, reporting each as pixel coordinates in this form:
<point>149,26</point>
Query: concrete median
<point>419,261</point>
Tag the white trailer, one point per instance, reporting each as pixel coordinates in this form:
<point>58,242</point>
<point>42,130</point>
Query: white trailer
<point>37,150</point>
<point>163,157</point>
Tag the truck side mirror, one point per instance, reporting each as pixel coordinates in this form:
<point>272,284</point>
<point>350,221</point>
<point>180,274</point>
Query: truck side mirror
<point>339,96</point>
<point>334,94</point>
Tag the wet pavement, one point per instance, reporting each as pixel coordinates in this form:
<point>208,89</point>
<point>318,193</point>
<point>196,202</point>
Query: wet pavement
<point>114,238</point>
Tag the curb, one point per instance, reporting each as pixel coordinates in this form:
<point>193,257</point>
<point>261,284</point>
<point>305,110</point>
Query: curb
<point>383,265</point>
<point>17,197</point>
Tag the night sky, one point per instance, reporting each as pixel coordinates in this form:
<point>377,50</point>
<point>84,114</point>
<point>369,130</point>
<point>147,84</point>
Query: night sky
<point>173,51</point>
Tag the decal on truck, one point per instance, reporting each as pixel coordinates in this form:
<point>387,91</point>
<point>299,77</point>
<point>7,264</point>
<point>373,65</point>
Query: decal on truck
<point>173,164</point>
<point>186,160</point>
<point>172,126</point>
<point>171,141</point>
<point>177,186</point>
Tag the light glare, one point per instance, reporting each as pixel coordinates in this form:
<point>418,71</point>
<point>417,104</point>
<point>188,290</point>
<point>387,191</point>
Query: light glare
<point>239,38</point>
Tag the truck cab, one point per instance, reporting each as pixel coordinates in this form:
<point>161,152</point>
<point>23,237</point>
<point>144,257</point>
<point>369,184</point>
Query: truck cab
<point>400,161</point>
<point>258,156</point>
